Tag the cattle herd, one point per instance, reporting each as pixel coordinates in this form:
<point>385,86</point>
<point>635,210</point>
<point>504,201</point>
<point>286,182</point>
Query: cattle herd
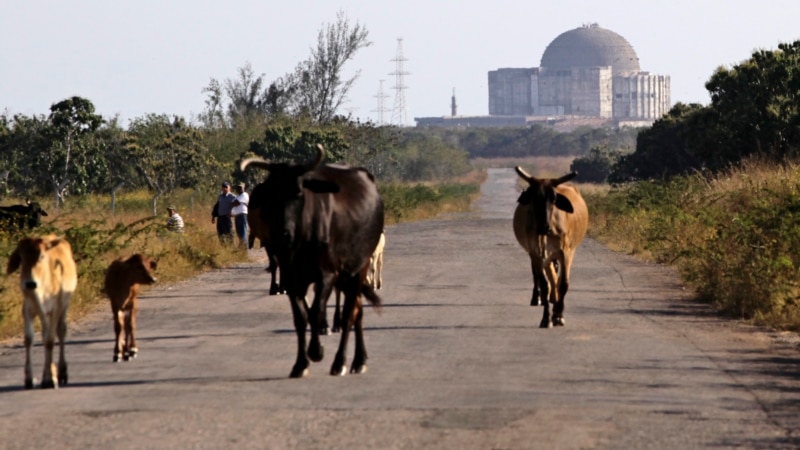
<point>322,225</point>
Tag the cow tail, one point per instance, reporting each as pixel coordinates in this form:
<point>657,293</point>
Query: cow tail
<point>369,293</point>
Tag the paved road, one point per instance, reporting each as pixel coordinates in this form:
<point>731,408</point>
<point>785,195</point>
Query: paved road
<point>456,361</point>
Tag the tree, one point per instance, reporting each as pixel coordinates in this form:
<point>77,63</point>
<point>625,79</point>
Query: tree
<point>167,154</point>
<point>316,87</point>
<point>63,162</point>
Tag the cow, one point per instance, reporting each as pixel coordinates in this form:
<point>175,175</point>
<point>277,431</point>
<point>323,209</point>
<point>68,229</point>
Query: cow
<point>122,283</point>
<point>325,221</point>
<point>259,229</point>
<point>48,278</point>
<point>550,222</point>
<point>374,279</point>
<point>20,217</point>
<point>375,273</point>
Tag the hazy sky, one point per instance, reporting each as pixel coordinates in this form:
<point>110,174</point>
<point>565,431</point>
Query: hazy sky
<point>155,56</point>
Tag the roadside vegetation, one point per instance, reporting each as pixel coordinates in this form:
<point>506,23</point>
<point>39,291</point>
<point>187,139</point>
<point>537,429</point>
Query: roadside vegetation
<point>715,191</point>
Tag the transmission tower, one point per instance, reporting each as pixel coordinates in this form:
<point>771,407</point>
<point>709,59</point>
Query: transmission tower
<point>381,110</point>
<point>399,111</point>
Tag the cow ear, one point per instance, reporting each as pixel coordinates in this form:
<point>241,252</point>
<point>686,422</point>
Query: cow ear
<point>13,262</point>
<point>563,203</point>
<point>52,243</point>
<point>321,186</point>
<point>525,198</point>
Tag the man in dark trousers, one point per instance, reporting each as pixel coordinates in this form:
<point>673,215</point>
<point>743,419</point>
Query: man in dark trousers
<point>221,214</point>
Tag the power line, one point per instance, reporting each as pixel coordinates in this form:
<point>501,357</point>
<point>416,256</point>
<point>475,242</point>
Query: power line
<point>382,109</point>
<point>399,113</point>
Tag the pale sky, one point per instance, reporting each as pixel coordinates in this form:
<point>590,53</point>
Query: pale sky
<point>131,58</point>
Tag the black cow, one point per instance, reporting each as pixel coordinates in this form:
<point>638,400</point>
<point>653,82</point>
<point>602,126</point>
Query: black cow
<point>19,217</point>
<point>260,229</point>
<point>324,223</point>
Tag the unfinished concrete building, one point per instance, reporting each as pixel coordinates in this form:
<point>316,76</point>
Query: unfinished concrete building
<point>588,71</point>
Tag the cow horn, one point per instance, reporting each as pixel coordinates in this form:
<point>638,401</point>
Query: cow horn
<point>255,162</point>
<point>524,175</point>
<point>566,178</point>
<point>315,163</point>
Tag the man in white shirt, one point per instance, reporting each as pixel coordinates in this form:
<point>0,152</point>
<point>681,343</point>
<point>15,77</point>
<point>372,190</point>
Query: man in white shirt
<point>239,213</point>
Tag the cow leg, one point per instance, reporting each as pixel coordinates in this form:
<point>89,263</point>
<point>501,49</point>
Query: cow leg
<point>63,377</point>
<point>130,333</point>
<point>539,294</point>
<point>563,286</point>
<point>49,338</point>
<point>350,290</point>
<point>379,271</point>
<point>337,313</point>
<point>119,319</point>
<point>300,315</point>
<point>274,289</point>
<point>29,334</point>
<point>360,357</point>
<point>318,319</point>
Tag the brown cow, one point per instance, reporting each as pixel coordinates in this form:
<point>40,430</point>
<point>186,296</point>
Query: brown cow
<point>48,278</point>
<point>549,222</point>
<point>123,279</point>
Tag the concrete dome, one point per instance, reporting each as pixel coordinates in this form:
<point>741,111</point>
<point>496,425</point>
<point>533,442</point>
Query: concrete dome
<point>591,46</point>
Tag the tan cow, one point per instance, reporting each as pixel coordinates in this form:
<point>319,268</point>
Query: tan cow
<point>375,272</point>
<point>123,280</point>
<point>47,279</point>
<point>550,221</point>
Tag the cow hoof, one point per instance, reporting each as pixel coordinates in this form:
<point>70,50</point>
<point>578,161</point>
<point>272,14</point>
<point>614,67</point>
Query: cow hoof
<point>324,331</point>
<point>48,384</point>
<point>117,357</point>
<point>29,383</point>
<point>338,371</point>
<point>299,372</point>
<point>63,379</point>
<point>126,357</point>
<point>559,322</point>
<point>545,324</point>
<point>358,369</point>
<point>133,352</point>
<point>536,302</point>
<point>274,291</point>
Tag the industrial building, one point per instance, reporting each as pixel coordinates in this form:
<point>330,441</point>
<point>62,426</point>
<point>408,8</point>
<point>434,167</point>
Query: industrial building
<point>585,73</point>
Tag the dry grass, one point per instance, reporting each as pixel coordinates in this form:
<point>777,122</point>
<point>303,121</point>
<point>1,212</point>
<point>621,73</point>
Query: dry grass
<point>733,236</point>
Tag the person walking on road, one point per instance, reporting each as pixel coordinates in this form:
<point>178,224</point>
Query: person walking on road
<point>239,212</point>
<point>221,214</point>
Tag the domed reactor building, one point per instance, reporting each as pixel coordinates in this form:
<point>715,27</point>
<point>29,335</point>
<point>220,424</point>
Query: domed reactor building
<point>588,71</point>
<point>587,76</point>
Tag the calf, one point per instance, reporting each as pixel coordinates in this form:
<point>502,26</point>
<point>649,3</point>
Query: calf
<point>375,272</point>
<point>123,279</point>
<point>48,278</point>
<point>550,222</point>
<point>374,279</point>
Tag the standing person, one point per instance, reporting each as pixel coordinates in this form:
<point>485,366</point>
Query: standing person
<point>239,212</point>
<point>175,221</point>
<point>221,214</point>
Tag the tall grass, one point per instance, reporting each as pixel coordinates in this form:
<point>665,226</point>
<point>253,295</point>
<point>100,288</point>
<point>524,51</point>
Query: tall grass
<point>99,236</point>
<point>734,236</point>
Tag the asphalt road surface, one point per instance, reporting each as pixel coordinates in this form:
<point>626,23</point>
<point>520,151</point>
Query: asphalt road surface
<point>456,361</point>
